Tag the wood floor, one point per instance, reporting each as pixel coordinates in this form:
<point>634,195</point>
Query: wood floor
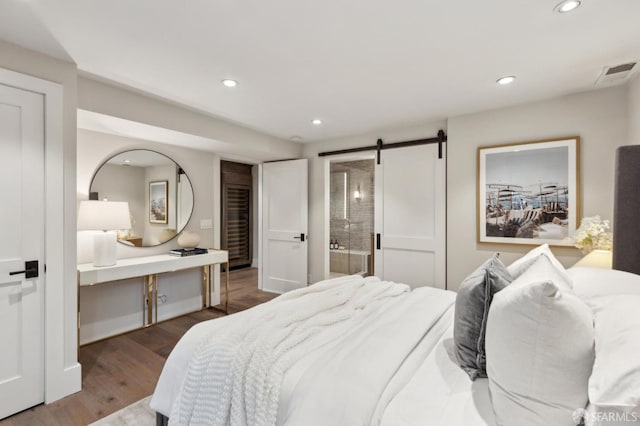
<point>119,371</point>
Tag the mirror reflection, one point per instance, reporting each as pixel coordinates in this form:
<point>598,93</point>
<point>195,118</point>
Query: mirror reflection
<point>158,191</point>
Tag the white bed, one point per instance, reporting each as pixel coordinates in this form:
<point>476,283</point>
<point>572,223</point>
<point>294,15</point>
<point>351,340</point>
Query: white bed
<point>389,362</point>
<point>360,351</point>
<point>440,393</point>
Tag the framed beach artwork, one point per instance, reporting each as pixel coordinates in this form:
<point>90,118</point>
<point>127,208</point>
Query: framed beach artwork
<point>158,195</point>
<point>528,192</point>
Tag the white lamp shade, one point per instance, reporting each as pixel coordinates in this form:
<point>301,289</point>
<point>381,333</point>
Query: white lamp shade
<point>103,215</point>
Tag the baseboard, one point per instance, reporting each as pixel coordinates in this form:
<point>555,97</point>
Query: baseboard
<point>69,382</point>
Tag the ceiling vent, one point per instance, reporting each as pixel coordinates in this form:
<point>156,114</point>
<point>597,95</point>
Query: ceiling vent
<point>616,74</point>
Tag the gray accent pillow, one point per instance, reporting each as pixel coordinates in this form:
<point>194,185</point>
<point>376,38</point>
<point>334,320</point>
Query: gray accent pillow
<point>472,308</point>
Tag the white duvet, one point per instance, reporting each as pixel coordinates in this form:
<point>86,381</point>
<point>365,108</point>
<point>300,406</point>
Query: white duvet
<point>347,351</point>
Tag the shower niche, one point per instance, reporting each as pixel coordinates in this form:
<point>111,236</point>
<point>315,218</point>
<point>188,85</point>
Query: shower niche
<point>351,226</point>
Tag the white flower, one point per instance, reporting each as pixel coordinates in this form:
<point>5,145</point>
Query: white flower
<point>593,234</point>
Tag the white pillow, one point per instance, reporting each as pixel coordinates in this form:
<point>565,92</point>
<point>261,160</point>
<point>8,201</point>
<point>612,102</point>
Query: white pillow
<point>542,268</point>
<point>614,385</point>
<point>519,266</point>
<point>594,282</point>
<point>539,348</point>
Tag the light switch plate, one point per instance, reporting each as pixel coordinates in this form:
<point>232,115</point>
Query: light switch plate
<point>206,224</point>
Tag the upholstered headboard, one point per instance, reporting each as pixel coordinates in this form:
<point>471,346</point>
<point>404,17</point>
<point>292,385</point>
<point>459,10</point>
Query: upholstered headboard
<point>626,213</point>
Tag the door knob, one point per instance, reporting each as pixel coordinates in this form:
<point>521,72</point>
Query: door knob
<point>301,238</point>
<point>30,269</point>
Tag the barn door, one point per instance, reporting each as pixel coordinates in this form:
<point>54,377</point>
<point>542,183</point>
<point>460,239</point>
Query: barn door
<point>411,216</point>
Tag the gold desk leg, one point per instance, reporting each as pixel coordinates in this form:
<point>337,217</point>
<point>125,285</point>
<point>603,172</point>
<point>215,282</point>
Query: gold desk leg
<point>210,271</point>
<point>144,299</point>
<point>150,283</point>
<point>205,280</point>
<point>155,298</point>
<point>226,298</point>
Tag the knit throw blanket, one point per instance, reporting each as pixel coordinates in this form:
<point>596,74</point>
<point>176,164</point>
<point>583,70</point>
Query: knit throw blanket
<point>236,373</point>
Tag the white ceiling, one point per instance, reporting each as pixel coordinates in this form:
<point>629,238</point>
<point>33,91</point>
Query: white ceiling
<point>359,65</point>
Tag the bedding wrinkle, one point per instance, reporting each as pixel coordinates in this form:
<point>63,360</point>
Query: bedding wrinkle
<point>353,383</point>
<point>439,392</point>
<point>235,374</point>
<point>412,362</point>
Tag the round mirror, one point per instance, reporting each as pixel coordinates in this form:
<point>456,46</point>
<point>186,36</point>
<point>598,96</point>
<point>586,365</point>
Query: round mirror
<point>157,189</point>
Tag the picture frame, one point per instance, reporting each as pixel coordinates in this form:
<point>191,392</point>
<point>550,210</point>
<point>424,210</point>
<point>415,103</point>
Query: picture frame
<point>529,192</point>
<point>158,196</point>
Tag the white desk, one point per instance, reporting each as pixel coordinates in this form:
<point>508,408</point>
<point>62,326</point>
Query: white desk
<point>148,268</point>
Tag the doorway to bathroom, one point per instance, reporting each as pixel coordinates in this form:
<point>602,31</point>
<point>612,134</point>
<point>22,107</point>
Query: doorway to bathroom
<point>351,220</point>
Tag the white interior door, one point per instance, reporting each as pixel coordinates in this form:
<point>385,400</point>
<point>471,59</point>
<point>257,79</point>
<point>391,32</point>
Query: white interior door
<point>411,216</point>
<point>284,229</point>
<point>22,236</point>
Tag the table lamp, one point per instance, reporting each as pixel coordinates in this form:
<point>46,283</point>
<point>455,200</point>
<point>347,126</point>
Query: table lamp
<point>596,259</point>
<point>106,216</point>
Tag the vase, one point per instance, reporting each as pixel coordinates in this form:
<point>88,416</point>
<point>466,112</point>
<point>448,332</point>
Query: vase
<point>188,239</point>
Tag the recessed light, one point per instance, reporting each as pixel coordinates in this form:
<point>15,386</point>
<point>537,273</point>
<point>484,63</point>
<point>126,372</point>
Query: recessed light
<point>567,6</point>
<point>316,122</point>
<point>127,161</point>
<point>229,83</point>
<point>296,138</point>
<point>503,81</point>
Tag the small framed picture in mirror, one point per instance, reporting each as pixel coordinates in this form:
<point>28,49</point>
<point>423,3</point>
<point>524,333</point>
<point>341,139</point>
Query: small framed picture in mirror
<point>158,195</point>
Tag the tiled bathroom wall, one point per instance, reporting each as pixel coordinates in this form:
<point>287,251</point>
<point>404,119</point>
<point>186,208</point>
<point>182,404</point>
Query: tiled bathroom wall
<point>352,224</point>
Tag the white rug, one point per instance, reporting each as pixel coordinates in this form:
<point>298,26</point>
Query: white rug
<point>138,414</point>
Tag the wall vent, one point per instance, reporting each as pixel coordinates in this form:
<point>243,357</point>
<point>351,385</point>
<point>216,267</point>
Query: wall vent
<point>617,73</point>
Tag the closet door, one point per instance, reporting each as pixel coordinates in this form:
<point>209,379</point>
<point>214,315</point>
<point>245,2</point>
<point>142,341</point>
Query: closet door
<point>284,225</point>
<point>410,216</point>
<point>237,226</point>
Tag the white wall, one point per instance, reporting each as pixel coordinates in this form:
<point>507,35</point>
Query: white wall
<point>64,377</point>
<point>233,141</point>
<point>108,309</point>
<point>598,117</point>
<point>634,110</point>
<point>318,235</point>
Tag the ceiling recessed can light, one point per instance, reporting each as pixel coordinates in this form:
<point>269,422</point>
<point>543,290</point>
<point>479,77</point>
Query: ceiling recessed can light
<point>127,161</point>
<point>316,122</point>
<point>296,138</point>
<point>567,6</point>
<point>503,81</point>
<point>229,83</point>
